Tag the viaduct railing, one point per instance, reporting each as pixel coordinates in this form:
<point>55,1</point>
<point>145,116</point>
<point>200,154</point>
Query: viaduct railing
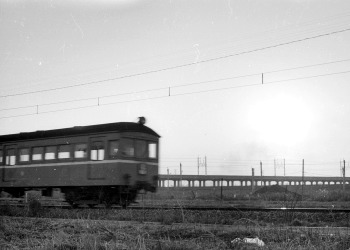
<point>241,180</point>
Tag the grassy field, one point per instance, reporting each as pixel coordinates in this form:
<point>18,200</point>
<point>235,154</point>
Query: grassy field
<point>35,227</point>
<point>27,233</point>
<point>48,233</point>
<point>276,196</point>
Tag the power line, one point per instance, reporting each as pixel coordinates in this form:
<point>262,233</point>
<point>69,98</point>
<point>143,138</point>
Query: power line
<point>184,85</point>
<point>278,31</point>
<point>166,96</point>
<point>307,66</point>
<point>181,65</point>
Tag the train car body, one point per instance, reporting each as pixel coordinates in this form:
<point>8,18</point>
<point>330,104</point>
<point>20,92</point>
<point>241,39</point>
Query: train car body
<point>106,163</point>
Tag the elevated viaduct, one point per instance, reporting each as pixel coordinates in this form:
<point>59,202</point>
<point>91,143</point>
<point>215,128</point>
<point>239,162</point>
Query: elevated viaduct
<point>241,180</point>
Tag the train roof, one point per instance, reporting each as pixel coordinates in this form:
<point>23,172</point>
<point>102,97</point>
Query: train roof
<point>81,130</point>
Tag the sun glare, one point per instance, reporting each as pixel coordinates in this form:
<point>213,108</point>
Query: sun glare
<point>282,120</point>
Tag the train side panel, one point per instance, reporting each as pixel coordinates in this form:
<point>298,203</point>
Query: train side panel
<point>97,167</point>
<point>111,173</point>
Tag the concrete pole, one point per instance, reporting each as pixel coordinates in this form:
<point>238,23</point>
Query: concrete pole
<point>253,180</point>
<point>343,175</point>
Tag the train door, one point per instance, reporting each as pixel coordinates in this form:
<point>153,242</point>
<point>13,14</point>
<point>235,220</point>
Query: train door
<point>96,169</point>
<point>9,154</point>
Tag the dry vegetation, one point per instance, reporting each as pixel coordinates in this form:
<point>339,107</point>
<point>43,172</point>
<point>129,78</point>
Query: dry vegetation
<point>43,233</point>
<point>35,227</point>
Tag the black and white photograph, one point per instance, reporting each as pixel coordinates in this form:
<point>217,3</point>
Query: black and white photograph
<point>173,124</point>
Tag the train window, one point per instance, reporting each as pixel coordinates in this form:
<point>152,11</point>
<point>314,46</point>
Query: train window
<point>113,148</point>
<point>141,149</point>
<point>37,153</point>
<point>50,152</point>
<point>80,150</point>
<point>64,152</point>
<point>97,151</point>
<point>128,148</point>
<point>10,157</point>
<point>152,150</point>
<point>1,157</point>
<point>24,154</point>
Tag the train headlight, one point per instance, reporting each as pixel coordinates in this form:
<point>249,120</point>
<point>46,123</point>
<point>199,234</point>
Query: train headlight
<point>142,169</point>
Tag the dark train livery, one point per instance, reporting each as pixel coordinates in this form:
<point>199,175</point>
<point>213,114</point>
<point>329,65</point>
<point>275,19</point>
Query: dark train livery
<point>107,163</point>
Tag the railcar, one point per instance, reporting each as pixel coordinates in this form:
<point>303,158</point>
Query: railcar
<point>97,164</point>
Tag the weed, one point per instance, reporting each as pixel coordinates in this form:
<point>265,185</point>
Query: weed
<point>6,210</point>
<point>34,208</point>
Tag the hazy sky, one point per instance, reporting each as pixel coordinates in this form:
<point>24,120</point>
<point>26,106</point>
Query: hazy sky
<point>194,69</point>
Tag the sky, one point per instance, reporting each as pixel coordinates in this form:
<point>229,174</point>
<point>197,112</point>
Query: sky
<point>236,81</point>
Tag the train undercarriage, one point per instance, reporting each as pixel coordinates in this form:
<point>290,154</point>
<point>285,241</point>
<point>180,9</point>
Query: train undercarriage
<point>90,195</point>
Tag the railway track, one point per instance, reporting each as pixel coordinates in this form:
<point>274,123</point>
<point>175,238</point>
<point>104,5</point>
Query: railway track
<point>256,229</point>
<point>138,206</point>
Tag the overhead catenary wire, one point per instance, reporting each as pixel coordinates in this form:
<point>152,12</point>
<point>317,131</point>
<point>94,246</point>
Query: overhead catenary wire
<point>167,96</point>
<point>182,85</point>
<point>309,26</point>
<point>181,65</point>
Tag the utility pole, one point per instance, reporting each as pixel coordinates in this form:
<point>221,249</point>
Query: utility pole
<point>180,174</point>
<point>198,165</point>
<point>261,173</point>
<point>252,180</point>
<point>221,195</point>
<point>205,164</point>
<point>302,183</point>
<point>168,176</point>
<point>274,165</point>
<point>261,182</point>
<point>284,166</point>
<point>343,175</point>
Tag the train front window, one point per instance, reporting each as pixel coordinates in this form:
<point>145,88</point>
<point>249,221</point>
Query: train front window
<point>128,149</point>
<point>1,157</point>
<point>113,148</point>
<point>80,150</point>
<point>24,154</point>
<point>10,157</point>
<point>141,149</point>
<point>50,152</point>
<point>37,153</point>
<point>152,150</point>
<point>97,151</point>
<point>64,152</point>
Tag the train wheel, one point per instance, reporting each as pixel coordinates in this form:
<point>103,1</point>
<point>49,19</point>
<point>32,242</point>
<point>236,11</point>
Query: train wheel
<point>106,197</point>
<point>125,200</point>
<point>71,198</point>
<point>108,204</point>
<point>125,203</point>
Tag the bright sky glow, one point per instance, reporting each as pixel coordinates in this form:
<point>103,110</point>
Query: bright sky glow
<point>281,120</point>
<point>194,70</point>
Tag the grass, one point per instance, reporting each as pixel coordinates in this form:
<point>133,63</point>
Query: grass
<point>170,216</point>
<point>85,234</point>
<point>287,196</point>
<point>42,228</point>
<point>43,233</point>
